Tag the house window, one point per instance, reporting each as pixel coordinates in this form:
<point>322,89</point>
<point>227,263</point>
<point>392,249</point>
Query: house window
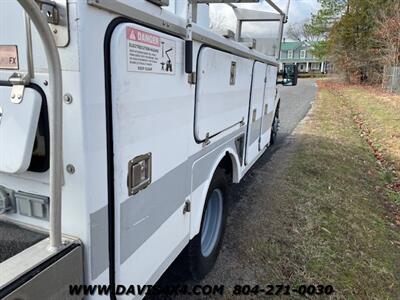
<point>302,54</point>
<point>290,54</point>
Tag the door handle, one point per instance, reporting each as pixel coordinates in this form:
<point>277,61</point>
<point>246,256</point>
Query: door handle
<point>139,173</point>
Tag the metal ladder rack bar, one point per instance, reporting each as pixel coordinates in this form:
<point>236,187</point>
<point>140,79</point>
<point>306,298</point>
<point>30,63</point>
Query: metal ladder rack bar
<point>177,27</point>
<point>55,118</point>
<point>249,16</point>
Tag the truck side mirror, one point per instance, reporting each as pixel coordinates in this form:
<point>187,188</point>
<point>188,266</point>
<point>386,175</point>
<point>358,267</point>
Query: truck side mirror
<point>290,74</point>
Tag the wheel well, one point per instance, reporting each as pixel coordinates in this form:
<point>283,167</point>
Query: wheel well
<point>226,165</point>
<point>278,106</point>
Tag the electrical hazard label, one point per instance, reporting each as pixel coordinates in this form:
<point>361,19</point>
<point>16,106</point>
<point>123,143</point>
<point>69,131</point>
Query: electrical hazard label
<point>150,53</point>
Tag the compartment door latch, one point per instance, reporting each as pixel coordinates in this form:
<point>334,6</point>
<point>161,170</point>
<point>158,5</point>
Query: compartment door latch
<point>139,173</point>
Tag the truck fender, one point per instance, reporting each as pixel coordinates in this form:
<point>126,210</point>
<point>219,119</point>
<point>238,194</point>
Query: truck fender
<point>198,207</point>
<point>277,99</point>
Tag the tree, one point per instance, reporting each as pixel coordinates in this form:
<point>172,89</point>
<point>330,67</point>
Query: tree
<point>320,49</point>
<point>387,35</point>
<point>330,12</point>
<point>300,32</point>
<point>356,37</point>
<point>322,22</point>
<point>218,22</point>
<point>352,44</point>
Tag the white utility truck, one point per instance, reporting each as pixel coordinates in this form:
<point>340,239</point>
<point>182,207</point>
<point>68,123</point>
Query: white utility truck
<point>122,123</point>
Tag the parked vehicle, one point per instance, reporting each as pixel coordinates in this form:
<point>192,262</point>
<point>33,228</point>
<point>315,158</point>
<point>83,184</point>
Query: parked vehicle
<point>122,123</point>
<point>290,74</point>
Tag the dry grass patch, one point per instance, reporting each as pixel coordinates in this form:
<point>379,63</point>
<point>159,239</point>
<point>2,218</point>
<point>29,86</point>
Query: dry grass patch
<point>348,238</point>
<point>316,213</point>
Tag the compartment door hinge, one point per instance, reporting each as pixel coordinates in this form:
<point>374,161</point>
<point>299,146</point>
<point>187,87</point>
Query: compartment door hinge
<point>187,207</point>
<point>18,82</point>
<point>56,12</point>
<point>192,78</point>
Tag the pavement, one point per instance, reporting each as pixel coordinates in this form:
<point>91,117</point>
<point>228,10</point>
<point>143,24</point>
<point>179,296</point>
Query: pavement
<point>295,103</point>
<point>230,269</point>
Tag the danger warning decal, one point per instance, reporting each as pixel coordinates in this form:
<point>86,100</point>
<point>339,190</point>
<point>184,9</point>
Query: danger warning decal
<point>149,53</point>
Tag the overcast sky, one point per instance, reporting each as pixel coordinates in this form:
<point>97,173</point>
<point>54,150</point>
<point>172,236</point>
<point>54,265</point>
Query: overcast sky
<point>299,12</point>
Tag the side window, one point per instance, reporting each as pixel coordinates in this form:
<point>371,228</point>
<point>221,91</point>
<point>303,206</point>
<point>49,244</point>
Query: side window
<point>290,54</point>
<point>302,54</point>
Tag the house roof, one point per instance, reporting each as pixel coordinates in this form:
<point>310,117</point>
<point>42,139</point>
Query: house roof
<point>290,45</point>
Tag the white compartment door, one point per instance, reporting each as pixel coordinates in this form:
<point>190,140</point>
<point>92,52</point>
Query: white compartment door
<point>222,92</point>
<point>152,109</point>
<point>18,125</point>
<point>255,111</point>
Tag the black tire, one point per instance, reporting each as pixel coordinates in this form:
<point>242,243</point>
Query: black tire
<point>198,264</point>
<point>275,126</point>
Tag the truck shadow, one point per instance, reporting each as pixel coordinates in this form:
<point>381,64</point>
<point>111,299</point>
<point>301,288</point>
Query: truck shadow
<point>265,241</point>
<point>176,275</point>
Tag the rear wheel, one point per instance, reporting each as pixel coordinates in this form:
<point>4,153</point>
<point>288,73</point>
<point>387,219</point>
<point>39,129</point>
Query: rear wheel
<point>203,249</point>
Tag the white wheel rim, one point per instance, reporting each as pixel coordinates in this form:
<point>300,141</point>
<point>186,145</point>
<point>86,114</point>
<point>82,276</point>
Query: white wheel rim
<point>210,230</point>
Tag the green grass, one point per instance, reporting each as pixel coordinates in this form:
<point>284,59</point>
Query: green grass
<point>331,193</point>
<point>320,211</point>
<point>312,75</point>
<point>381,114</point>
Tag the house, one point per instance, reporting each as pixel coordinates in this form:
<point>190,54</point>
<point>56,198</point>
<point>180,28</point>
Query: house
<point>300,53</point>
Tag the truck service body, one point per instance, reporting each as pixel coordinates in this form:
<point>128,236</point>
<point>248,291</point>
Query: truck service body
<point>143,140</point>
